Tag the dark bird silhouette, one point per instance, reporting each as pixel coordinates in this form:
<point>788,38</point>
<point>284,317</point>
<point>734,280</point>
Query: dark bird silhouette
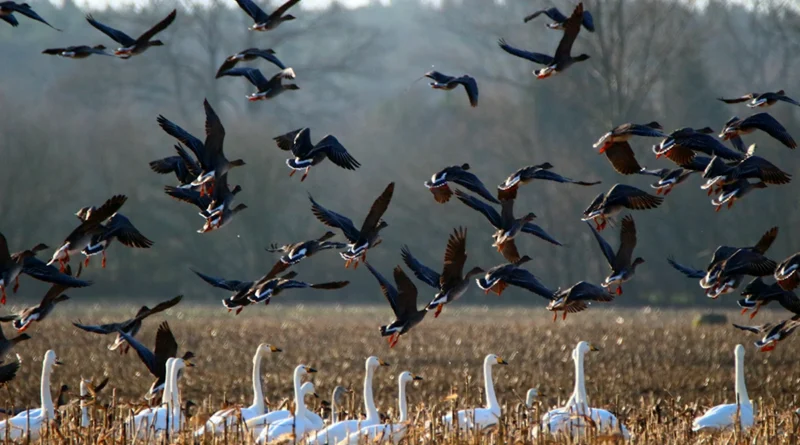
<point>499,277</point>
<point>264,21</point>
<point>8,8</point>
<point>559,19</point>
<point>249,55</point>
<point>23,320</point>
<point>445,82</point>
<point>306,154</point>
<point>130,46</point>
<point>403,301</point>
<point>621,196</point>
<point>267,89</point>
<point>562,58</point>
<point>119,228</point>
<point>760,121</point>
<point>77,52</point>
<point>761,100</point>
<point>457,174</point>
<point>622,263</point>
<point>577,298</point>
<point>294,253</point>
<point>508,189</point>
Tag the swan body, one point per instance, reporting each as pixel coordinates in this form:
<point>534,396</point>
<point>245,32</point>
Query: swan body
<point>341,430</point>
<point>723,417</point>
<point>300,424</point>
<point>387,433</point>
<point>480,418</point>
<point>167,417</point>
<point>259,423</point>
<point>29,423</point>
<point>227,417</point>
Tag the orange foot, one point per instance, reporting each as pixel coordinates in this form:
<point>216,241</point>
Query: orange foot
<point>86,262</point>
<point>238,311</point>
<point>666,192</point>
<point>305,175</point>
<point>16,284</point>
<point>3,298</point>
<point>619,292</point>
<point>438,310</point>
<point>744,311</point>
<point>753,314</point>
<point>710,191</point>
<point>564,316</point>
<point>768,347</point>
<point>104,259</point>
<point>292,173</point>
<point>347,264</point>
<point>718,207</point>
<point>730,203</point>
<point>658,191</point>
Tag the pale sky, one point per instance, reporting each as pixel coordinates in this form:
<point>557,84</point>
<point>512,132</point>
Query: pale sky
<point>306,4</point>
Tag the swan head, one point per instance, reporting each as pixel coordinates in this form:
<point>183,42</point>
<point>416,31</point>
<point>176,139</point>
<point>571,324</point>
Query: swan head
<point>264,348</point>
<point>406,377</point>
<point>373,362</point>
<point>584,347</point>
<point>51,360</point>
<point>308,388</point>
<point>493,359</point>
<point>302,370</point>
<point>738,352</point>
<point>533,393</point>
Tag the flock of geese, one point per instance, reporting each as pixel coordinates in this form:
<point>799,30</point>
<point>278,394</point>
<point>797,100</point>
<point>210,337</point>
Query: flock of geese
<point>203,172</point>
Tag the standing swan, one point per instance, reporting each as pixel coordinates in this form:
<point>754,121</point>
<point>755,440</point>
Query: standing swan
<point>29,423</point>
<point>340,430</point>
<point>300,424</point>
<point>259,422</point>
<point>391,433</point>
<point>603,419</point>
<point>723,417</point>
<point>480,418</point>
<point>220,418</point>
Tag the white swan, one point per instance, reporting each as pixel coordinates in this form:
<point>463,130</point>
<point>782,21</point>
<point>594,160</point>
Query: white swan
<point>140,422</point>
<point>169,416</point>
<point>723,417</point>
<point>387,433</point>
<point>340,430</point>
<point>228,416</point>
<point>257,423</point>
<point>480,418</point>
<point>300,424</point>
<point>530,397</point>
<point>29,423</point>
<point>84,404</point>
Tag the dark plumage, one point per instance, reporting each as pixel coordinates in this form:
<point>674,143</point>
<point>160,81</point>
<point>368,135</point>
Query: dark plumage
<point>762,100</point>
<point>577,298</point>
<point>452,283</point>
<point>506,225</point>
<point>117,228</point>
<point>499,277</point>
<point>156,360</point>
<point>185,168</point>
<point>624,132</point>
<point>457,174</point>
<point>294,253</point>
<point>719,174</point>
<point>619,197</point>
<point>307,154</point>
<point>773,333</point>
<point>559,19</point>
<point>264,21</point>
<point>360,240</point>
<point>682,145</point>
<point>760,121</point>
<point>508,188</point>
<point>668,179</point>
<point>191,196</point>
<point>6,344</point>
<point>8,8</point>
<point>248,55</point>
<point>786,272</point>
<point>130,326</point>
<point>242,289</point>
<point>445,82</point>
<point>130,46</point>
<point>22,320</point>
<point>757,293</point>
<point>213,162</point>
<point>734,191</point>
<point>403,301</point>
<point>77,52</point>
<point>221,211</point>
<point>267,89</point>
<point>622,263</point>
<point>562,58</point>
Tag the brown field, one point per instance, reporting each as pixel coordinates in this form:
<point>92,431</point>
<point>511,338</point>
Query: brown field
<point>655,370</point>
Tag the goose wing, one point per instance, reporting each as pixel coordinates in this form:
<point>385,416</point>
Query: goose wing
<point>257,14</point>
<point>8,372</point>
<point>421,271</point>
<point>166,347</point>
<point>455,256</point>
<point>608,252</point>
<point>283,8</point>
<point>103,329</point>
<point>541,59</point>
<point>160,307</point>
<point>522,278</point>
<point>439,77</point>
<point>472,183</point>
<point>539,232</point>
<point>286,141</point>
<point>627,244</point>
<point>632,198</point>
<point>572,26</point>
<point>554,14</point>
<point>766,240</point>
<point>189,196</point>
<point>38,269</point>
<point>549,175</point>
<point>160,26</point>
<point>215,136</point>
<point>336,152</point>
<point>765,122</point>
<point>115,34</point>
<point>221,283</point>
<point>121,228</point>
<point>335,220</point>
<point>27,11</point>
<point>737,100</point>
<point>251,74</point>
<point>621,157</point>
<point>406,294</point>
<point>688,271</point>
<point>194,144</point>
<point>388,290</point>
<point>377,210</point>
<point>471,86</point>
<point>476,204</point>
<point>269,56</point>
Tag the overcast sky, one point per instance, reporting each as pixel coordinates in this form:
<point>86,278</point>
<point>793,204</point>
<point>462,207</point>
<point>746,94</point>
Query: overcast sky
<point>308,4</point>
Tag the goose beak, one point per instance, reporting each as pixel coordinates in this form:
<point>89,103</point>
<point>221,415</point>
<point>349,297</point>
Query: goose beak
<point>310,370</point>
<point>500,361</point>
<point>275,349</point>
<point>593,348</point>
<point>383,363</point>
<point>416,377</point>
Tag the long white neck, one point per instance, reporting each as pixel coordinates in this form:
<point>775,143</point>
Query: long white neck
<point>177,365</point>
<point>297,377</point>
<point>741,389</point>
<point>300,410</point>
<point>488,383</point>
<point>580,383</point>
<point>84,405</point>
<point>47,398</point>
<point>166,395</point>
<point>369,402</point>
<point>401,400</point>
<point>258,395</point>
<point>334,414</point>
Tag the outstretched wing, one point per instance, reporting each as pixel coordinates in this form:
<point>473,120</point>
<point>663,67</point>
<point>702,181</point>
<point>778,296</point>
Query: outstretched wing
<point>388,290</point>
<point>627,242</point>
<point>221,283</point>
<point>25,9</point>
<point>377,210</point>
<point>526,280</point>
<point>539,58</point>
<point>539,232</point>
<point>472,183</point>
<point>257,14</point>
<point>471,86</point>
<point>438,77</point>
<point>688,271</point>
<point>476,204</point>
<point>115,34</point>
<point>160,307</point>
<point>608,252</point>
<point>160,26</point>
<point>333,219</point>
<point>194,144</point>
<point>336,152</point>
<point>103,329</point>
<point>122,228</point>
<point>286,141</point>
<point>421,271</point>
<point>737,100</point>
<point>406,294</point>
<point>38,269</point>
<point>252,74</point>
<point>572,26</point>
<point>455,256</point>
<point>283,8</point>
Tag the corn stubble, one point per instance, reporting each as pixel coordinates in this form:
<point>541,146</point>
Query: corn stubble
<point>654,370</point>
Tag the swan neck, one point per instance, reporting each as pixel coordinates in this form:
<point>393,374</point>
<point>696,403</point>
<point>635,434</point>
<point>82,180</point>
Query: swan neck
<point>580,382</point>
<point>491,398</point>
<point>166,395</point>
<point>369,402</point>
<point>46,397</point>
<point>297,396</point>
<point>174,392</point>
<point>334,414</point>
<point>401,400</point>
<point>258,394</point>
<point>741,389</point>
<point>84,406</point>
